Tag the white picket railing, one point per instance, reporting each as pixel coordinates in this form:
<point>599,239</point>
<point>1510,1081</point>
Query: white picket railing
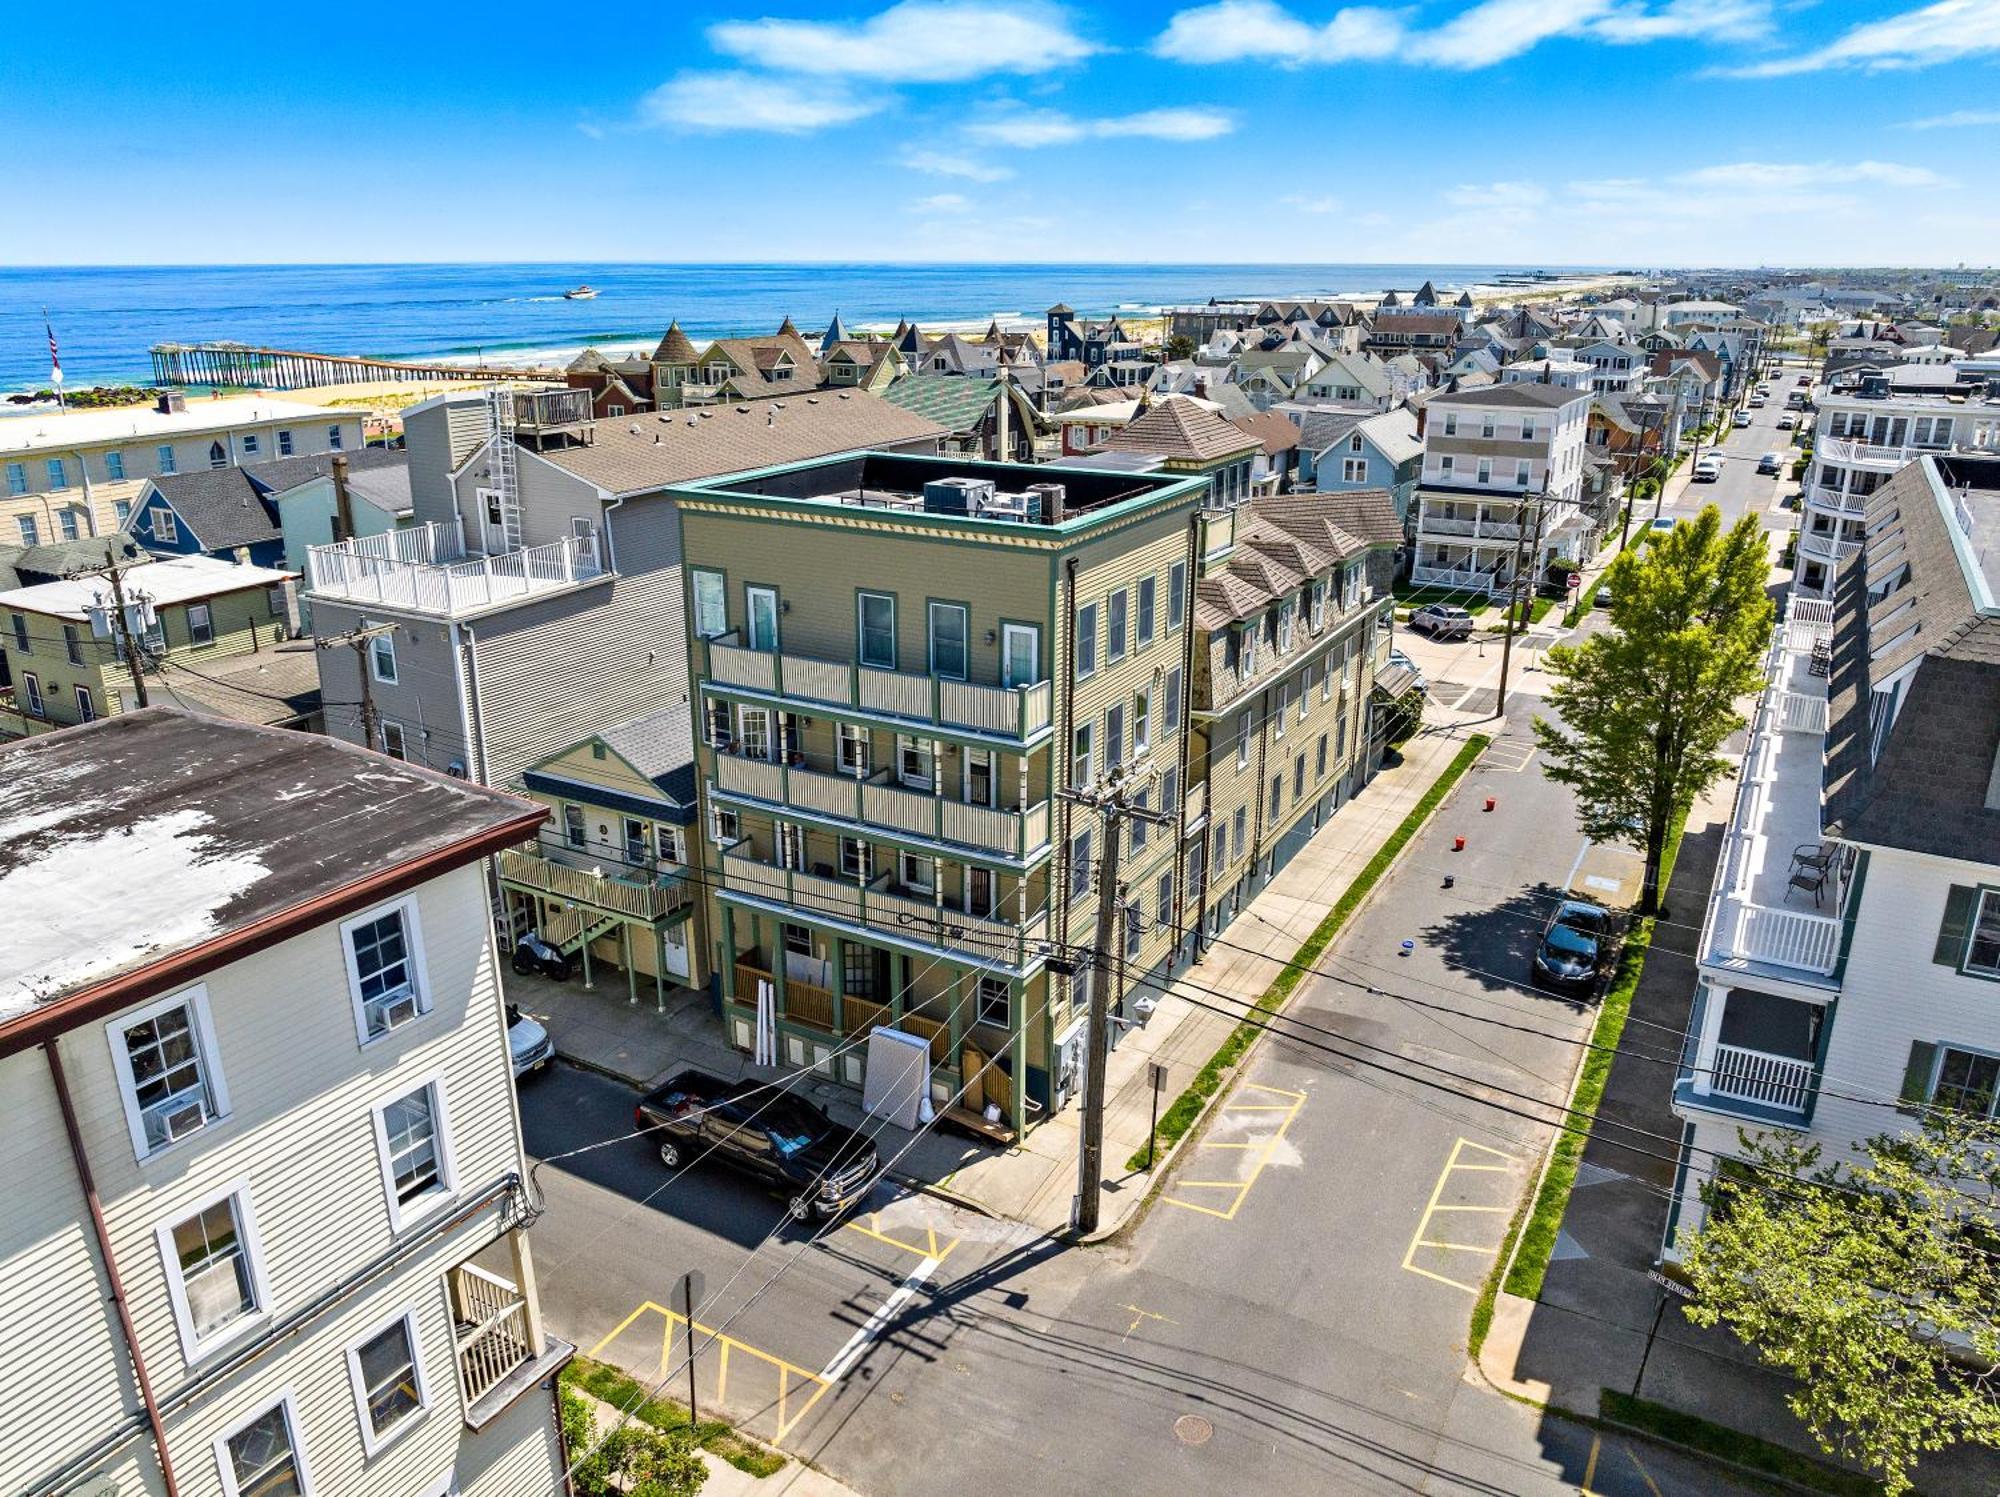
<point>426,570</point>
<point>1758,1076</point>
<point>1788,938</point>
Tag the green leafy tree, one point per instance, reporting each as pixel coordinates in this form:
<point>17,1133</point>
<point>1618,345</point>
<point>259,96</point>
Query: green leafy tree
<point>1643,708</point>
<point>633,1460</point>
<point>1180,346</point>
<point>1873,1284</point>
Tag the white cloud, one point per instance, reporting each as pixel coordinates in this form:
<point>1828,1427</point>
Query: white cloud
<point>1789,176</point>
<point>1479,36</point>
<point>1308,203</point>
<point>942,202</point>
<point>1028,129</point>
<point>749,101</point>
<point>1501,196</point>
<point>930,41</point>
<point>1231,30</point>
<point>1957,119</point>
<point>944,164</point>
<point>1942,32</point>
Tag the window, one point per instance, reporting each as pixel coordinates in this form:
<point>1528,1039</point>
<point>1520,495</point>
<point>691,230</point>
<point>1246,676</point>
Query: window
<point>1299,779</point>
<point>725,829</point>
<point>1278,717</point>
<point>574,832</point>
<point>1079,865</point>
<point>1983,955</point>
<point>857,859</point>
<point>1445,465</point>
<point>385,969</point>
<point>913,762</point>
<point>31,533</point>
<point>1966,1081</point>
<point>1527,428</point>
<point>1305,690</point>
<point>1319,763</point>
<point>1450,428</point>
<point>388,1379</point>
<point>979,778</point>
<point>218,455</point>
<point>1148,587</point>
<point>1239,826</point>
<point>72,644</point>
<point>753,732</point>
<point>1170,791</point>
<point>1142,722</point>
<point>1486,427</point>
<point>393,743</point>
<point>58,474</point>
<point>382,658</point>
<point>213,1277</point>
<point>791,846</point>
<point>1485,470</point>
<point>1221,857</point>
<point>996,1002</point>
<point>334,440</point>
<point>201,629</point>
<point>164,528</point>
<point>1354,470</point>
<point>761,607</point>
<point>284,443</point>
<point>1086,641</point>
<point>1243,739</point>
<point>1114,737</point>
<point>1172,720</point>
<point>1135,927</point>
<point>250,443</point>
<point>1081,763</point>
<point>416,1162</point>
<point>856,750</point>
<point>86,706</point>
<point>1163,901</point>
<point>711,606</point>
<point>1277,793</point>
<point>20,622</point>
<point>1522,472</point>
<point>33,687</point>
<point>1114,626</point>
<point>264,1457</point>
<point>168,462</point>
<point>163,1057</point>
<point>950,644</point>
<point>1176,595</point>
<point>1139,823</point>
<point>274,599</point>
<point>17,478</point>
<point>798,939</point>
<point>916,872</point>
<point>875,619</point>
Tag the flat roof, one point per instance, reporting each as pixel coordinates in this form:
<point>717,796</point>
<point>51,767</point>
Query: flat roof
<point>140,851</point>
<point>44,430</point>
<point>178,579</point>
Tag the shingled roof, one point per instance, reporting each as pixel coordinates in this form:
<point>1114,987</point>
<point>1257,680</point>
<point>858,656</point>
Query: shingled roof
<point>675,347</point>
<point>1183,430</point>
<point>1285,538</point>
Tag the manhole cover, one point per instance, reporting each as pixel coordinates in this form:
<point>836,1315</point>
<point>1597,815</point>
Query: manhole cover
<point>1192,1429</point>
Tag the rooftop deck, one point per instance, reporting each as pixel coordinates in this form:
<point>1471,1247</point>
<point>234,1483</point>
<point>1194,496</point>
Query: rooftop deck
<point>427,569</point>
<point>1760,923</point>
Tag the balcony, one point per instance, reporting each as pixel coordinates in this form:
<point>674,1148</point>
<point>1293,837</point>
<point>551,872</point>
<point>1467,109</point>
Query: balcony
<point>1827,548</point>
<point>501,1351</point>
<point>1491,580</point>
<point>571,875</point>
<point>1020,714</point>
<point>1755,923</point>
<point>1824,496</point>
<point>1879,457</point>
<point>1750,1055</point>
<point>813,1006</point>
<point>426,569</point>
<point>875,907</point>
<point>1479,529</point>
<point>877,802</point>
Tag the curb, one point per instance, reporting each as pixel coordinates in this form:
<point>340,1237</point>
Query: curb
<point>596,1068</point>
<point>1695,1452</point>
<point>950,1197</point>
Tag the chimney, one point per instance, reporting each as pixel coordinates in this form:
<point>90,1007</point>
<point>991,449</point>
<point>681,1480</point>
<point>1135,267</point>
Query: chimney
<point>1423,419</point>
<point>1201,384</point>
<point>1053,495</point>
<point>171,402</point>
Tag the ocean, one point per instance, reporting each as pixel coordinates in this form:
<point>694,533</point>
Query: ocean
<point>105,318</point>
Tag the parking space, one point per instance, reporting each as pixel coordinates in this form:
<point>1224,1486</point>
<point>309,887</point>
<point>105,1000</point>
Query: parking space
<point>1509,755</point>
<point>1466,1217</point>
<point>759,1390</point>
<point>1607,873</point>
<point>1246,1136</point>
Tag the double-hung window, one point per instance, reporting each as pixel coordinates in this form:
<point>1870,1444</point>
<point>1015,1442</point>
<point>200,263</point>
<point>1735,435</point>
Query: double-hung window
<point>1114,737</point>
<point>201,627</point>
<point>70,523</point>
<point>753,732</point>
<point>857,859</point>
<point>86,705</point>
<point>1142,721</point>
<point>20,623</point>
<point>1079,865</point>
<point>950,642</point>
<point>31,533</point>
<point>264,1457</point>
<point>334,439</point>
<point>214,1277</point>
<point>1287,615</point>
<point>17,478</point>
<point>1148,587</point>
<point>1318,604</point>
<point>165,529</point>
<point>1116,608</point>
<point>72,644</point>
<point>384,951</point>
<point>711,604</point>
<point>1243,739</point>
<point>387,1373</point>
<point>573,826</point>
<point>1172,719</point>
<point>914,764</point>
<point>1081,761</point>
<point>856,749</point>
<point>168,462</point>
<point>876,622</point>
<point>164,1057</point>
<point>285,448</point>
<point>58,474</point>
<point>996,1002</point>
<point>1278,716</point>
<point>414,1154</point>
<point>381,658</point>
<point>1176,595</point>
<point>1967,1081</point>
<point>1086,641</point>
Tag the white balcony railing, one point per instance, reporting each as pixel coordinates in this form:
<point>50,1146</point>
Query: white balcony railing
<point>427,570</point>
<point>492,1335</point>
<point>1758,1076</point>
<point>1019,712</point>
<point>1458,577</point>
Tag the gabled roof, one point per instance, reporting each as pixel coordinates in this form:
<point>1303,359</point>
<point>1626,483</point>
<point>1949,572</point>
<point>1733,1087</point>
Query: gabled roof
<point>1272,431</point>
<point>1178,428</point>
<point>659,746</point>
<point>53,560</point>
<point>1285,538</point>
<point>955,402</point>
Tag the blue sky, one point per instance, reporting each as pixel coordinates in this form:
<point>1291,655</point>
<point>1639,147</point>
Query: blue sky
<point>1552,131</point>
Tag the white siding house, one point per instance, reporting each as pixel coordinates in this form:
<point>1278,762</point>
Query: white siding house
<point>266,1225</point>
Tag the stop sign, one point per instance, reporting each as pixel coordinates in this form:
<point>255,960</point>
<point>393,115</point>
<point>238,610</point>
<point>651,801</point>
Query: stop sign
<point>1575,581</point>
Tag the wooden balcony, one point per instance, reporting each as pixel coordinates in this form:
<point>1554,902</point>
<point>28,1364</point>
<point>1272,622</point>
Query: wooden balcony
<point>875,802</point>
<point>624,893</point>
<point>1021,713</point>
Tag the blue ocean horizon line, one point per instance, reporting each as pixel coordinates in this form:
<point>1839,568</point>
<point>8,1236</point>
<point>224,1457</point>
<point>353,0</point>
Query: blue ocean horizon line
<point>106,318</point>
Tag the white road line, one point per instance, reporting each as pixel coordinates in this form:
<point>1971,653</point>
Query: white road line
<point>1577,867</point>
<point>844,1359</point>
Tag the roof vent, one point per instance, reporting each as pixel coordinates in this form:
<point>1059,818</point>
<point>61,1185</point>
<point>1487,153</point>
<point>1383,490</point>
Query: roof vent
<point>845,394</point>
<point>812,400</point>
<point>633,428</point>
<point>743,410</point>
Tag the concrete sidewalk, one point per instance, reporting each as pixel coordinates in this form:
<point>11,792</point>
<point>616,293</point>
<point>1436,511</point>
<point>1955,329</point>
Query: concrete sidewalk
<point>1034,1181</point>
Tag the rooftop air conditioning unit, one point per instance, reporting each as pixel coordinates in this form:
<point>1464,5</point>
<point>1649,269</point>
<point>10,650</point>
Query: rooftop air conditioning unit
<point>957,496</point>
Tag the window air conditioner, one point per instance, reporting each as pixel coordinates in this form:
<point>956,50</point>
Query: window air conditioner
<point>390,1010</point>
<point>175,1117</point>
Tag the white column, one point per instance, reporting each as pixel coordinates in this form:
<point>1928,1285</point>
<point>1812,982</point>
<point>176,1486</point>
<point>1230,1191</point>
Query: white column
<point>1711,1036</point>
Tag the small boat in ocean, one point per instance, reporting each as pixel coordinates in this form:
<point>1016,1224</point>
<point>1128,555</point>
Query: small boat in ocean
<point>581,293</point>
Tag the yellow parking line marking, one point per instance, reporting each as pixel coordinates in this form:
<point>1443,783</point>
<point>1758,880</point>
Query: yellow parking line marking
<point>1456,1247</point>
<point>787,1371</point>
<point>1455,1283</point>
<point>1269,1146</point>
<point>1256,1107</point>
<point>1447,1206</point>
<point>722,1376</point>
<point>1590,1465</point>
<point>1139,1315</point>
<point>1276,1091</point>
<point>1206,1144</point>
<point>622,1327</point>
<point>1644,1475</point>
<point>927,1249</point>
<point>1436,1206</point>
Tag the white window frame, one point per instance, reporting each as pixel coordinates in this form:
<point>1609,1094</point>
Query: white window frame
<point>716,603</point>
<point>988,757</point>
<point>215,1105</point>
<point>393,732</point>
<point>375,644</point>
<point>907,743</point>
<point>207,617</point>
<point>288,1400</point>
<point>86,705</point>
<point>923,866</point>
<point>1354,470</point>
<point>193,1347</point>
<point>861,854</point>
<point>855,750</point>
<point>413,939</point>
<point>373,1443</point>
<point>402,1214</point>
<point>1084,646</point>
<point>1243,727</point>
<point>163,525</point>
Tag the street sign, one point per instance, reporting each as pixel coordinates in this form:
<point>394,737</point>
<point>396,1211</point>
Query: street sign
<point>693,1286</point>
<point>1575,581</point>
<point>1671,1285</point>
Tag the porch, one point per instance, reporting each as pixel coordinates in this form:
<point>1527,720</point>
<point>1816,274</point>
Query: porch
<point>638,920</point>
<point>502,1349</point>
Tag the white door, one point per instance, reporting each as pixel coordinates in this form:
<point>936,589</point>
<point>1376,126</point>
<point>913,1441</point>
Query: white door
<point>673,941</point>
<point>762,611</point>
<point>493,524</point>
<point>1020,655</point>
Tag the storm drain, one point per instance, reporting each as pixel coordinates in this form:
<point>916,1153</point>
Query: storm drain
<point>1192,1429</point>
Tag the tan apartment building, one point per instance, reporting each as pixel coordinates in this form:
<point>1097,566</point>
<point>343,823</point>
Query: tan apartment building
<point>68,474</point>
<point>266,1224</point>
<point>900,664</point>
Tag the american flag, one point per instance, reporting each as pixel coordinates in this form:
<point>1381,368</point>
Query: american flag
<point>55,354</point>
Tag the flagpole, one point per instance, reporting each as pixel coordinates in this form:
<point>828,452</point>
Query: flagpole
<point>55,362</point>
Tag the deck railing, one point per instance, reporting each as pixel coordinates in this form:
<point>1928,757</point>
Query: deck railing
<point>1018,712</point>
<point>873,802</point>
<point>492,1334</point>
<point>1758,1076</point>
<point>425,569</point>
<point>625,893</point>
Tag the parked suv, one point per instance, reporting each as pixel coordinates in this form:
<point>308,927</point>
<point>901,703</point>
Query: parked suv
<point>784,1142</point>
<point>1442,621</point>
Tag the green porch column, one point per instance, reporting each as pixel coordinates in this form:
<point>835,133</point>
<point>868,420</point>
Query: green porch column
<point>729,955</point>
<point>899,974</point>
<point>1018,1047</point>
<point>583,928</point>
<point>838,986</point>
<point>631,976</point>
<point>660,969</point>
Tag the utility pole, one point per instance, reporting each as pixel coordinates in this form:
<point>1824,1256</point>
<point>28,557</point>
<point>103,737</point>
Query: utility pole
<point>114,571</point>
<point>1114,801</point>
<point>358,639</point>
<point>1514,588</point>
<point>343,502</point>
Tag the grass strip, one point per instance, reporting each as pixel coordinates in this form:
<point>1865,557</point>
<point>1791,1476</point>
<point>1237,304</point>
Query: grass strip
<point>1733,1445</point>
<point>1538,1231</point>
<point>611,1386</point>
<point>1179,1117</point>
<point>1416,597</point>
